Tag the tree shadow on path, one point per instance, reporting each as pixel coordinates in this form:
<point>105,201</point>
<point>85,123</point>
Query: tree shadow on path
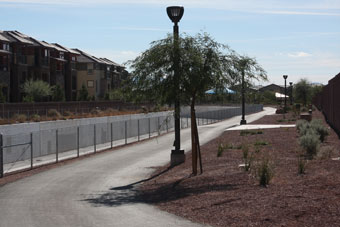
<point>131,194</point>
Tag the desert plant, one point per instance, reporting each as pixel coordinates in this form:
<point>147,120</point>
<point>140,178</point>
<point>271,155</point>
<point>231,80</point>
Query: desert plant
<point>57,93</point>
<point>302,162</point>
<point>261,143</point>
<point>265,171</point>
<point>68,113</point>
<point>321,130</point>
<point>20,118</point>
<point>35,118</point>
<point>53,113</point>
<point>301,124</point>
<point>220,150</point>
<point>36,90</point>
<point>96,111</point>
<point>325,152</point>
<point>247,157</point>
<point>83,94</point>
<point>250,132</point>
<point>310,143</point>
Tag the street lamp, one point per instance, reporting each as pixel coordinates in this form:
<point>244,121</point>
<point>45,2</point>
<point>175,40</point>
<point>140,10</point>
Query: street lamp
<point>285,108</point>
<point>175,14</point>
<point>243,120</point>
<point>291,93</point>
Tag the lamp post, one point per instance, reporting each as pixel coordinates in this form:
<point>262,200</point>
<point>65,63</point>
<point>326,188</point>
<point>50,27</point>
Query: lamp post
<point>285,108</point>
<point>175,14</point>
<point>243,120</point>
<point>291,93</point>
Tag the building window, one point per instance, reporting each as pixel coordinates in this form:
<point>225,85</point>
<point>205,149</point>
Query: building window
<point>5,46</point>
<point>61,55</point>
<point>90,69</point>
<point>74,58</point>
<point>90,84</point>
<point>46,53</point>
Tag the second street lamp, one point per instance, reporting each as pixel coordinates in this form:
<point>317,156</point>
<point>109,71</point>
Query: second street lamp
<point>243,120</point>
<point>175,14</point>
<point>285,108</point>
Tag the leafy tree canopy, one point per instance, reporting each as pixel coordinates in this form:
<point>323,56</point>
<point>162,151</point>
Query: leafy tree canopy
<point>36,90</point>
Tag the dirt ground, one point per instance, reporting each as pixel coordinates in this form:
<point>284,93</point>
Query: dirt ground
<point>227,195</point>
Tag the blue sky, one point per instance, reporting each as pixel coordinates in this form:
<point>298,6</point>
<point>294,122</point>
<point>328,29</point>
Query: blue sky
<point>300,38</point>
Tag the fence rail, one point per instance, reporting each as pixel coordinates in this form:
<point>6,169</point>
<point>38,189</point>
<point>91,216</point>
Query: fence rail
<point>59,141</point>
<point>328,102</point>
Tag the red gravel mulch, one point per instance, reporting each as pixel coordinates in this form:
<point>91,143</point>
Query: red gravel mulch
<point>226,195</point>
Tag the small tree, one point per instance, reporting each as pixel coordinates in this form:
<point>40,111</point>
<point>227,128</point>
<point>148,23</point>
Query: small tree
<point>36,90</point>
<point>83,94</point>
<point>303,92</point>
<point>58,93</point>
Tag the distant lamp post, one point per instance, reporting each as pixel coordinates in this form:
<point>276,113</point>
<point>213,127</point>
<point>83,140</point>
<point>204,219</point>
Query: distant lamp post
<point>285,108</point>
<point>243,120</point>
<point>175,14</point>
<point>291,93</point>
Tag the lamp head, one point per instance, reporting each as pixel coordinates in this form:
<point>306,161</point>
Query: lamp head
<point>290,83</point>
<point>285,76</point>
<point>175,13</point>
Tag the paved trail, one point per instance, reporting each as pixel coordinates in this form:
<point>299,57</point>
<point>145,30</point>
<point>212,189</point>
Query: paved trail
<point>82,193</point>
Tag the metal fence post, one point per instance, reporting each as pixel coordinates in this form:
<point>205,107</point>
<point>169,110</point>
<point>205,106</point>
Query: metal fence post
<point>149,127</point>
<point>138,128</point>
<point>111,136</point>
<point>125,132</point>
<point>31,150</point>
<point>1,157</point>
<point>94,138</point>
<point>158,126</point>
<point>167,126</point>
<point>187,122</point>
<point>78,142</point>
<point>56,146</point>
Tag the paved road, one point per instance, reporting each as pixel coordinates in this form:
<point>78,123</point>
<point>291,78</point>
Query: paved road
<point>82,193</point>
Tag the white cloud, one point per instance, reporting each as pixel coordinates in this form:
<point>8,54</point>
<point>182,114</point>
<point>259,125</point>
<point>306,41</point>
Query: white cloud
<point>299,54</point>
<point>119,57</point>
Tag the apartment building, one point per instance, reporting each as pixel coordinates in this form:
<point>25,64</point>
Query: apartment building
<point>23,57</point>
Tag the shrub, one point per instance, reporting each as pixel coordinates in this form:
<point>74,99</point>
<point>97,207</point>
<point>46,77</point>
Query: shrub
<point>96,111</point>
<point>321,130</point>
<point>83,94</point>
<point>310,143</point>
<point>57,93</point>
<point>36,90</point>
<point>265,171</point>
<point>220,150</point>
<point>250,132</point>
<point>35,117</point>
<point>20,118</point>
<point>301,165</point>
<point>325,152</point>
<point>247,157</point>
<point>261,143</point>
<point>53,113</point>
<point>68,113</point>
<point>301,125</point>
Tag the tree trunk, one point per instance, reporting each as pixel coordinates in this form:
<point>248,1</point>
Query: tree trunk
<point>193,138</point>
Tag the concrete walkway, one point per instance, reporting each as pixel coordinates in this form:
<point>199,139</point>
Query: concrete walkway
<point>99,191</point>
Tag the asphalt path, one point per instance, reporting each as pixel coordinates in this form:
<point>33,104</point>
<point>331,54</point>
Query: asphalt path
<point>100,190</point>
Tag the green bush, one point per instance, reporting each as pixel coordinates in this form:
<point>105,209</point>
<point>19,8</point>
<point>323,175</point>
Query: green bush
<point>301,125</point>
<point>310,143</point>
<point>261,143</point>
<point>68,113</point>
<point>57,93</point>
<point>83,94</point>
<point>265,171</point>
<point>36,90</point>
<point>319,127</point>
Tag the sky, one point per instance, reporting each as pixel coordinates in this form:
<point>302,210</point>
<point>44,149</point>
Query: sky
<point>298,38</point>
